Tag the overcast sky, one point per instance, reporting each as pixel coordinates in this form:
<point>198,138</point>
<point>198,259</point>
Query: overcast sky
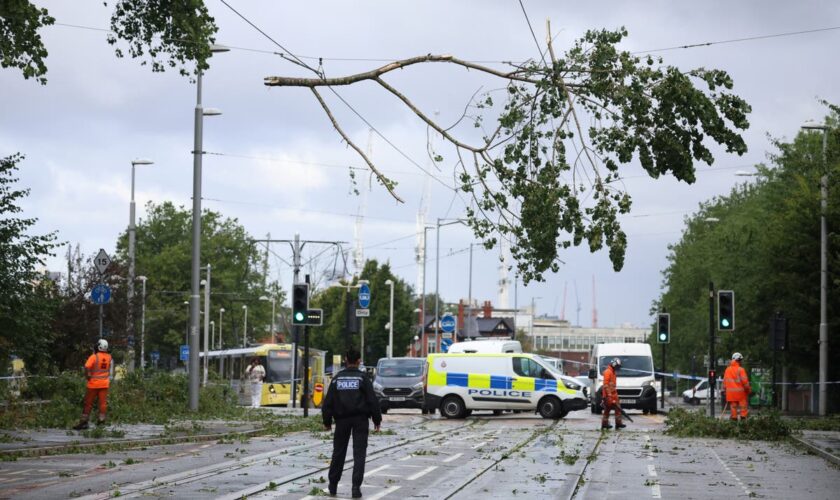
<point>286,169</point>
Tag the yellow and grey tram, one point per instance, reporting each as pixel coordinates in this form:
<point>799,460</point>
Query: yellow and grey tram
<point>277,361</point>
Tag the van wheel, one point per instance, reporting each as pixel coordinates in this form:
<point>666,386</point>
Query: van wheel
<point>497,412</point>
<point>550,407</point>
<point>452,407</point>
<point>384,410</point>
<point>596,406</point>
<point>424,411</point>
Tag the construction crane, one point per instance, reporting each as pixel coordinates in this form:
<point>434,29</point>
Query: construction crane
<point>594,309</point>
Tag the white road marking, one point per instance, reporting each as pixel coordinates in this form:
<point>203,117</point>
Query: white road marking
<point>422,473</point>
<point>652,470</point>
<point>655,492</point>
<point>374,471</point>
<point>383,493</point>
<point>403,459</point>
<point>479,445</point>
<point>453,457</point>
<point>737,479</point>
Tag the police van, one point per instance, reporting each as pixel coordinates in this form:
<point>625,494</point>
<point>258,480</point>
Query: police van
<point>457,384</point>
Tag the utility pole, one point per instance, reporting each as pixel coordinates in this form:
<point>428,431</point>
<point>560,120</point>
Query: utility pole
<point>712,362</point>
<point>206,324</point>
<point>469,299</point>
<point>306,364</point>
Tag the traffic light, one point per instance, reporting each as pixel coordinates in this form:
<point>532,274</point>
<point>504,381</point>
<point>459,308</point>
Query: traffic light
<point>726,310</point>
<point>300,303</point>
<point>663,330</point>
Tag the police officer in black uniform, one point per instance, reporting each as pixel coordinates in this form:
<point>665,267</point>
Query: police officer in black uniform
<point>351,402</point>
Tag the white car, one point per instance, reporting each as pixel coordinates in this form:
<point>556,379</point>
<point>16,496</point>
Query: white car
<point>698,394</point>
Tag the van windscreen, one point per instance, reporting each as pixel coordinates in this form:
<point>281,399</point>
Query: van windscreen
<point>631,366</point>
<point>400,368</point>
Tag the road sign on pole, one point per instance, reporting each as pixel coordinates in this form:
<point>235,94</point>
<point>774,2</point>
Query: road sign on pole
<point>315,317</point>
<point>100,294</point>
<point>362,313</point>
<point>185,352</point>
<point>445,344</point>
<point>102,261</point>
<point>364,296</point>
<point>447,323</point>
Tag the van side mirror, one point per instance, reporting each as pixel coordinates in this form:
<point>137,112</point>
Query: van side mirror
<point>593,374</point>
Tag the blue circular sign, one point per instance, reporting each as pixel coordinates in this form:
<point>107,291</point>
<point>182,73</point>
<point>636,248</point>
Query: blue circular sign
<point>364,296</point>
<point>100,294</point>
<point>447,323</point>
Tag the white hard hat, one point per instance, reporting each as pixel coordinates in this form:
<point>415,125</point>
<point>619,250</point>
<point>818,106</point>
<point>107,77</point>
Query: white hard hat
<point>737,356</point>
<point>102,345</point>
<point>616,363</point>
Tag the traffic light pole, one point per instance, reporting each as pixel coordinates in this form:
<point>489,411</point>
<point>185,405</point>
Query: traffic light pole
<point>712,371</point>
<point>305,398</point>
<point>662,402</point>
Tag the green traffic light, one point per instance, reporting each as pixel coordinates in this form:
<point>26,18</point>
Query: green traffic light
<point>298,316</point>
<point>724,322</point>
<point>663,336</point>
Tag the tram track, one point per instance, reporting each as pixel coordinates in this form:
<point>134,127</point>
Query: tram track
<point>145,488</point>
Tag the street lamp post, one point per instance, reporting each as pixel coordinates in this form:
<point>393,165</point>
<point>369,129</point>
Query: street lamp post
<point>198,152</point>
<point>132,236</point>
<point>213,334</point>
<point>437,278</point>
<point>390,283</point>
<point>273,301</point>
<point>206,284</point>
<point>823,270</point>
<point>221,312</point>
<point>245,329</point>
<point>143,325</point>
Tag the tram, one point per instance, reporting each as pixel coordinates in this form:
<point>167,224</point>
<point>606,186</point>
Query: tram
<point>277,361</point>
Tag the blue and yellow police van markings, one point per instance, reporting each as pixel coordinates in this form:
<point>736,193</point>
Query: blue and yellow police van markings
<point>485,381</point>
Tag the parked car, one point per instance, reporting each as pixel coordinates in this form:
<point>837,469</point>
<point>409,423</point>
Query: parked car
<point>698,394</point>
<point>399,383</point>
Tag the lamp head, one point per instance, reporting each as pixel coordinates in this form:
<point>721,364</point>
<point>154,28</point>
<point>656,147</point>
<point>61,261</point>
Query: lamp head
<point>142,161</point>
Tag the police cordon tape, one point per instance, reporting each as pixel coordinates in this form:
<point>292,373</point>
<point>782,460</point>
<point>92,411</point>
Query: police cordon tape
<point>689,377</point>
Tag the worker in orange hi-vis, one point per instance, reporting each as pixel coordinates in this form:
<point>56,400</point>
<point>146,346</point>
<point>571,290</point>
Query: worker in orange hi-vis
<point>737,387</point>
<point>609,396</point>
<point>98,373</point>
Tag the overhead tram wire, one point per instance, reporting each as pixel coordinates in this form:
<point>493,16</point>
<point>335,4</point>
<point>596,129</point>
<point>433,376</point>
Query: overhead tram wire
<point>359,115</point>
<point>480,61</point>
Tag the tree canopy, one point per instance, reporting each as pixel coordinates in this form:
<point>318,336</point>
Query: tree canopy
<point>26,293</point>
<point>762,241</point>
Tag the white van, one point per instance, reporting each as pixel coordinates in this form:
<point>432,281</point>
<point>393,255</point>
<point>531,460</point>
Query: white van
<point>457,384</point>
<point>699,393</point>
<point>485,347</point>
<point>635,380</point>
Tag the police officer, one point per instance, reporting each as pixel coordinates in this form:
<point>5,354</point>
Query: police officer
<point>351,402</point>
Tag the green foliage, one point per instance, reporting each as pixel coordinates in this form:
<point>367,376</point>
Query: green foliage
<point>829,423</point>
<point>762,426</point>
<point>333,301</point>
<point>163,255</point>
<point>20,44</point>
<point>26,295</point>
<point>612,107</point>
<point>172,33</point>
<point>153,398</point>
<point>766,247</point>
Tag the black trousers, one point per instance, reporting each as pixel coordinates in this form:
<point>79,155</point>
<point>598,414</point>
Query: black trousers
<point>358,426</point>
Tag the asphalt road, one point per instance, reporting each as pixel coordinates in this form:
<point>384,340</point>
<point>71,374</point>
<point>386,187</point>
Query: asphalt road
<point>482,457</point>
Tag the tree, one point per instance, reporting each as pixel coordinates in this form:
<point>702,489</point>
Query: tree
<point>333,301</point>
<point>26,294</point>
<point>765,246</point>
<point>164,255</point>
<point>539,176</point>
<point>20,44</point>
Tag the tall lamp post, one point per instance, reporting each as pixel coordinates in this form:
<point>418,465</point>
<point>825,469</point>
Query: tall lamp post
<point>390,283</point>
<point>440,222</point>
<point>823,269</point>
<point>143,279</point>
<point>221,312</point>
<point>198,152</point>
<point>132,236</point>
<point>245,328</point>
<point>273,301</point>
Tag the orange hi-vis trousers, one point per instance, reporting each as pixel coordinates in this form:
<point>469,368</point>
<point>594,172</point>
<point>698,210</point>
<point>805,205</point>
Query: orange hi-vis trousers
<point>734,405</point>
<point>90,395</point>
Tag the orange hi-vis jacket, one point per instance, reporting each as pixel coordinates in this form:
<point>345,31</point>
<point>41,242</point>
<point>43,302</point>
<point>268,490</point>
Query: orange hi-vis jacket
<point>98,370</point>
<point>609,390</point>
<point>735,382</point>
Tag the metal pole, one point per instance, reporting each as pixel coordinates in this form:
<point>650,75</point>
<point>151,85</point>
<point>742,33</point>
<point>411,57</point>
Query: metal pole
<point>196,249</point>
<point>130,291</point>
<point>206,323</point>
<point>823,280</point>
<point>273,315</point>
<point>305,397</point>
<point>245,329</point>
<point>469,293</point>
<point>712,362</point>
<point>221,358</point>
<point>662,402</point>
<point>423,306</point>
<point>296,339</point>
<point>362,328</point>
<point>391,324</point>
<point>143,328</point>
<point>437,289</point>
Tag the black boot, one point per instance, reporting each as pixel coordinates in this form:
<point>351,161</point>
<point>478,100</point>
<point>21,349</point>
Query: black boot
<point>82,425</point>
<point>357,493</point>
<point>332,488</point>
<point>620,426</point>
<point>605,425</point>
